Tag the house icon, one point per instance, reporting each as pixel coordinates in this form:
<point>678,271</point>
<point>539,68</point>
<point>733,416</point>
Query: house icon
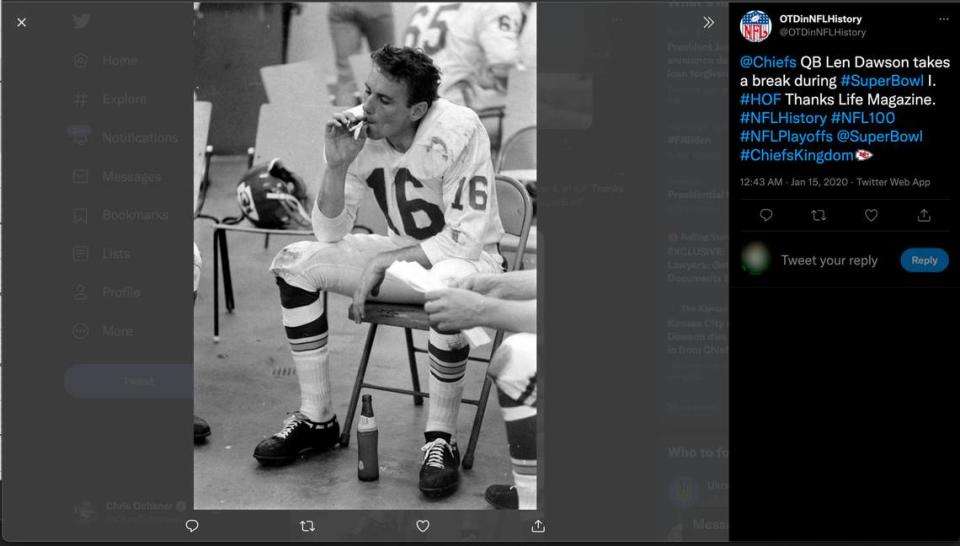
<point>80,60</point>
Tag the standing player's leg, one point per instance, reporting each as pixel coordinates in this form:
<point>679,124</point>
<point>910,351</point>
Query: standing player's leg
<point>514,370</point>
<point>345,33</point>
<point>376,23</point>
<point>201,429</point>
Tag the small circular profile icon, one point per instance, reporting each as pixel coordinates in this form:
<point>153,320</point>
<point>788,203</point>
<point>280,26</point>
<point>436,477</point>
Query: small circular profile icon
<point>684,492</point>
<point>84,512</point>
<point>755,26</point>
<point>755,258</point>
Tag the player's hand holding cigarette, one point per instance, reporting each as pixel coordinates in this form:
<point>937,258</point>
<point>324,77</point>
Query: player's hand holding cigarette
<point>344,137</point>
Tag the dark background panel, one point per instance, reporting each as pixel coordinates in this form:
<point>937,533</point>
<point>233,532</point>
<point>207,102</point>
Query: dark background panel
<point>842,405</point>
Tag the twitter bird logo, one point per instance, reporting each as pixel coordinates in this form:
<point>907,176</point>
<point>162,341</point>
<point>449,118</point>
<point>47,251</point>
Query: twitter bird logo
<point>81,21</point>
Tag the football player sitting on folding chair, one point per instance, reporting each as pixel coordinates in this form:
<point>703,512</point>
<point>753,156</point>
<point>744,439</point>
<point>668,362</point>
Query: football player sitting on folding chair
<point>428,164</point>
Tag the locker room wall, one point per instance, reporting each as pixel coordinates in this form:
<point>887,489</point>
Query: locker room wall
<point>232,42</point>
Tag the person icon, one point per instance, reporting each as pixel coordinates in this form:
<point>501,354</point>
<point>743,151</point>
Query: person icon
<point>79,293</point>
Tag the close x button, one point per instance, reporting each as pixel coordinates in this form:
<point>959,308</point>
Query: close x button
<point>924,260</point>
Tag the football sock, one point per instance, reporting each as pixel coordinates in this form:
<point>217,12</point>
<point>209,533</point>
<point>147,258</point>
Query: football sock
<point>306,327</point>
<point>521,421</point>
<point>517,393</point>
<point>448,364</point>
<point>526,490</point>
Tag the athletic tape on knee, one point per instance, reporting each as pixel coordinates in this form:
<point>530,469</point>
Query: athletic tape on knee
<point>516,379</point>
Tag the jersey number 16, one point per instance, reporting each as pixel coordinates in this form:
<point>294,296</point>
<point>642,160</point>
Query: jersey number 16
<point>477,199</point>
<point>406,207</point>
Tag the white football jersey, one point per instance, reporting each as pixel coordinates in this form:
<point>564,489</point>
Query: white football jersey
<point>464,38</point>
<point>440,193</point>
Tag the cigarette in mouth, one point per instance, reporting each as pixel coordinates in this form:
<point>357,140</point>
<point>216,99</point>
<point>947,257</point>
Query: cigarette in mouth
<point>358,126</point>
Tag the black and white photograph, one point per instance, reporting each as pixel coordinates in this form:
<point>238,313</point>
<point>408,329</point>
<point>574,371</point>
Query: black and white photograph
<point>365,257</point>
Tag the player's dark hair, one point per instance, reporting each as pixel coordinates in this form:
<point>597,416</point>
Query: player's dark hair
<point>413,67</point>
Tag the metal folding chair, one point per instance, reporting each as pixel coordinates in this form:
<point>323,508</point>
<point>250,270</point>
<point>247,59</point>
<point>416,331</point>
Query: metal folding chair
<point>520,151</point>
<point>516,216</point>
<point>518,159</point>
<point>521,107</point>
<point>494,112</point>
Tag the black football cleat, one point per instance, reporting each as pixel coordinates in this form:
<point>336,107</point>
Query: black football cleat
<point>299,436</point>
<point>503,497</point>
<point>200,430</point>
<point>440,472</point>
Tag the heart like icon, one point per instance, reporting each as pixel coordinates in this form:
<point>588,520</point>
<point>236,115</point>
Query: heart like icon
<point>871,214</point>
<point>766,214</point>
<point>423,525</point>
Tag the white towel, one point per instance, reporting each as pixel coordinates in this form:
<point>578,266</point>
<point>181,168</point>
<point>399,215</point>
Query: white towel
<point>415,276</point>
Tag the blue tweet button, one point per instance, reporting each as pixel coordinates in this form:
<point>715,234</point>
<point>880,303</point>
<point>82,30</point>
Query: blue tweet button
<point>924,260</point>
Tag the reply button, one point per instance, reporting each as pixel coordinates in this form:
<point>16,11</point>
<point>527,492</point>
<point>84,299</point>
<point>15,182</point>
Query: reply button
<point>924,260</point>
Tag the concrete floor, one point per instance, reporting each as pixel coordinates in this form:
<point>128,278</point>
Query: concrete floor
<point>241,392</point>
